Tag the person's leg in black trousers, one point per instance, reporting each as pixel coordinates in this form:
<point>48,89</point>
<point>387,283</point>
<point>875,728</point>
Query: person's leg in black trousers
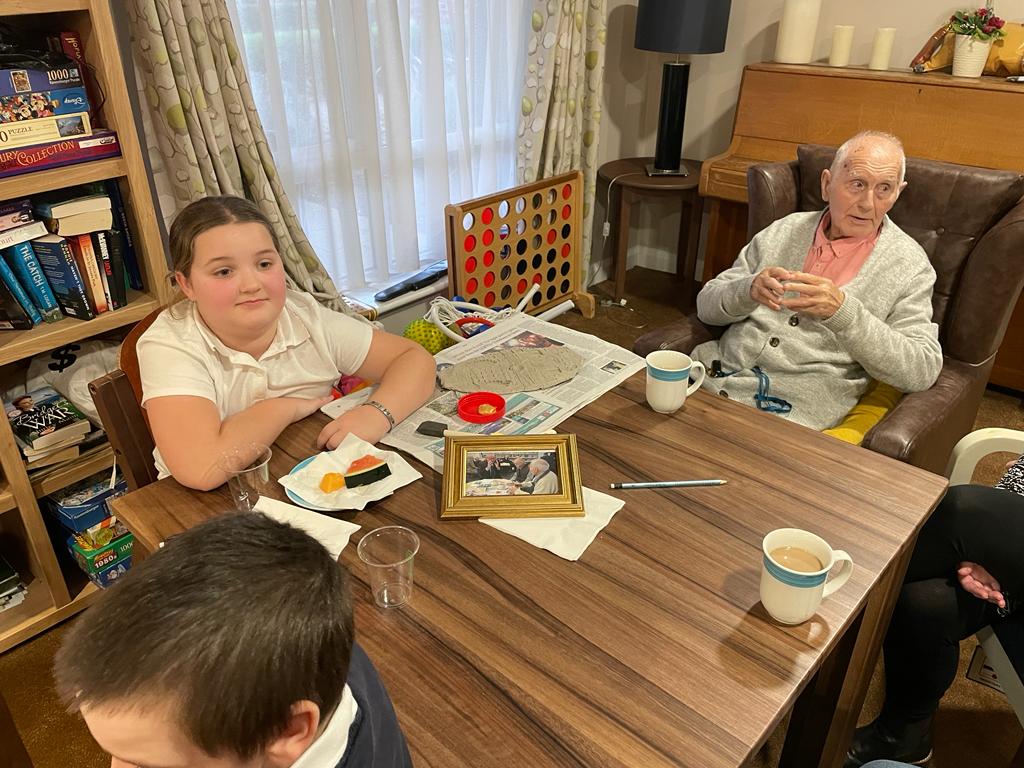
<point>933,614</point>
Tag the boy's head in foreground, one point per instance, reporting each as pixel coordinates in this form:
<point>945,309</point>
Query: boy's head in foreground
<point>227,648</point>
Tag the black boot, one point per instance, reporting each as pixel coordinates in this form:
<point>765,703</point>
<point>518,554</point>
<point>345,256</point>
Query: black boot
<point>911,743</point>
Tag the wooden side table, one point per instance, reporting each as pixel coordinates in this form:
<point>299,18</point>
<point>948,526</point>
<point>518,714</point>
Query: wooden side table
<point>629,179</point>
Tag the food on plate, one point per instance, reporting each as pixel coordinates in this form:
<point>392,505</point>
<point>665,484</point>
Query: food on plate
<point>366,470</point>
<point>331,482</point>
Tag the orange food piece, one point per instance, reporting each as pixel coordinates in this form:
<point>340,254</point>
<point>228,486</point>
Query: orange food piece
<point>363,462</point>
<point>486,409</point>
<point>331,482</point>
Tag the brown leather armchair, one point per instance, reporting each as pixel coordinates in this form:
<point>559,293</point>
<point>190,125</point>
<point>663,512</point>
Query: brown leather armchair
<point>970,222</point>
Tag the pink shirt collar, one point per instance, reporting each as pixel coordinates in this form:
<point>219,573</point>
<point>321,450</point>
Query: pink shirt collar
<point>841,259</point>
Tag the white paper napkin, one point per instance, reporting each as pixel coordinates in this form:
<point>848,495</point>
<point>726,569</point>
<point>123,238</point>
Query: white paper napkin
<point>330,532</point>
<point>306,482</point>
<point>567,537</point>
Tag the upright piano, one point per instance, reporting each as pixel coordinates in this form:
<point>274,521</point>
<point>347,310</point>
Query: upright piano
<point>973,121</point>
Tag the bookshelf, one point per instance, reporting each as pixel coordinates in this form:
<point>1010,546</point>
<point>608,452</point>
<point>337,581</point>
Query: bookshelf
<point>57,591</point>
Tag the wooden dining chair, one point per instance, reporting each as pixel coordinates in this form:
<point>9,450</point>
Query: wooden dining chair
<point>118,398</point>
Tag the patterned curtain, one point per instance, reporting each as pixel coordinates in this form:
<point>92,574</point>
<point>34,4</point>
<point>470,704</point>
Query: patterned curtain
<point>207,132</point>
<point>561,105</point>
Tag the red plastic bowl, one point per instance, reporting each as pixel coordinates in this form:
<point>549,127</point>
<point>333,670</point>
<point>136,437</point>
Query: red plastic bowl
<point>469,407</point>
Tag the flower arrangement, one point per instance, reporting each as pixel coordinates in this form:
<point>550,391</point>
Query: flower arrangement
<point>981,24</point>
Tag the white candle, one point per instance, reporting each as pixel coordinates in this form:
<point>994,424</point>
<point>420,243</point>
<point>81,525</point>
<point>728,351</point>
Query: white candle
<point>797,30</point>
<point>842,42</point>
<point>882,50</point>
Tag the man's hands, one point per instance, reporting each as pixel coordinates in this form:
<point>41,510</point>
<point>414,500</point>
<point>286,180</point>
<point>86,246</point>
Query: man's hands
<point>767,286</point>
<point>819,297</point>
<point>978,582</point>
<point>365,422</point>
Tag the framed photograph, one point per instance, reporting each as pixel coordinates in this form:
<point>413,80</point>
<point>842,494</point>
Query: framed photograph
<point>511,476</point>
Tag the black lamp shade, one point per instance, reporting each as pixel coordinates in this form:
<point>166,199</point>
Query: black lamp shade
<point>682,26</point>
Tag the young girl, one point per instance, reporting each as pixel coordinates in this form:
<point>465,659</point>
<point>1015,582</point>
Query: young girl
<point>244,357</point>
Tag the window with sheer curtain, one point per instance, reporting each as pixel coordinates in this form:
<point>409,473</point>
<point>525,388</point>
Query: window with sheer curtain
<point>380,112</point>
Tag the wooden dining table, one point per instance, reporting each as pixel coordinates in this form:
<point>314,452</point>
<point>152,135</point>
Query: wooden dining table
<point>652,649</point>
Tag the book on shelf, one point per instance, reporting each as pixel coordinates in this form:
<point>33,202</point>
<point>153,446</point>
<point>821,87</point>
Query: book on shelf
<point>14,213</point>
<point>12,284</point>
<point>115,242</point>
<point>120,214</point>
<point>44,76</point>
<point>20,234</point>
<point>113,268</point>
<point>59,456</point>
<point>85,259</point>
<point>13,316</point>
<point>56,154</point>
<point>81,223</point>
<point>43,418</point>
<point>52,206</point>
<point>32,455</point>
<point>58,263</point>
<point>70,44</point>
<point>99,246</point>
<point>21,258</point>
<point>43,129</point>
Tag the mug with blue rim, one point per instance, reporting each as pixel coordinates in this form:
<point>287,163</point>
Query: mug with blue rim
<point>792,595</point>
<point>668,379</point>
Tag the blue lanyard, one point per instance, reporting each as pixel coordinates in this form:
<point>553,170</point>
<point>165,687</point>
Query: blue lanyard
<point>762,399</point>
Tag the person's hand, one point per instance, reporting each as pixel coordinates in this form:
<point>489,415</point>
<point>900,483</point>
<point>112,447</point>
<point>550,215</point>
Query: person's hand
<point>767,286</point>
<point>365,422</point>
<point>306,406</point>
<point>1011,462</point>
<point>978,582</point>
<point>819,297</point>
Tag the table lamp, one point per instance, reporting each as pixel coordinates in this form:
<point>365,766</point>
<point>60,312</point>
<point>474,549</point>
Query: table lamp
<point>677,26</point>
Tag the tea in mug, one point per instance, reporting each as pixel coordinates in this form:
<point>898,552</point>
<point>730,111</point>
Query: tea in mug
<point>796,559</point>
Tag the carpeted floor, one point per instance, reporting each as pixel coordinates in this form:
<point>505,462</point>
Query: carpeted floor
<point>975,725</point>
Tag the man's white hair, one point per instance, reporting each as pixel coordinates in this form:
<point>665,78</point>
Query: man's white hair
<point>540,464</point>
<point>853,141</point>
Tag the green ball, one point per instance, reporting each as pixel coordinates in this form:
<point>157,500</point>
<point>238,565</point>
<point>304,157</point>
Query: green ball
<point>427,335</point>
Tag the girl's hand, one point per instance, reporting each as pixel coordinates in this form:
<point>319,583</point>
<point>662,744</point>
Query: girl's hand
<point>979,582</point>
<point>1011,462</point>
<point>365,422</point>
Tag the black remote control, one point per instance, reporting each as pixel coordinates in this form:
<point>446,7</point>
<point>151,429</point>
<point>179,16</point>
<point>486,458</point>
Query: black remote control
<point>421,279</point>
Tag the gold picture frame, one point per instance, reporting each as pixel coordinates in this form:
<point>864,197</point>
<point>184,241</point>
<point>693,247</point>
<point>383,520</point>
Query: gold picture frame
<point>482,477</point>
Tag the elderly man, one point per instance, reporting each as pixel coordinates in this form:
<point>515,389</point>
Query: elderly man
<point>820,303</point>
<point>542,480</point>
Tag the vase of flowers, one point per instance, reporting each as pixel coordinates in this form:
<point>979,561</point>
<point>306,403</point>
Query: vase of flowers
<point>975,31</point>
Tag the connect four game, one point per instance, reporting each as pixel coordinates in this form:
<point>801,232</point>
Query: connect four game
<point>502,245</point>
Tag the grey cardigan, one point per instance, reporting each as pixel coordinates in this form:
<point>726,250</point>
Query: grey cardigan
<point>883,330</point>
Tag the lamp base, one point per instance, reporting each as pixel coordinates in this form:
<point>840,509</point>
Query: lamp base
<point>682,170</point>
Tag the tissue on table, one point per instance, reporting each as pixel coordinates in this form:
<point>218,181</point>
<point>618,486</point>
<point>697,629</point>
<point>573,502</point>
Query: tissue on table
<point>305,483</point>
<point>331,532</point>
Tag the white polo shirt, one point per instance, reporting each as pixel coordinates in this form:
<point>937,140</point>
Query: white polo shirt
<point>314,346</point>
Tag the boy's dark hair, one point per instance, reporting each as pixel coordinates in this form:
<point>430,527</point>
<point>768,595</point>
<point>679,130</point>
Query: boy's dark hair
<point>230,623</point>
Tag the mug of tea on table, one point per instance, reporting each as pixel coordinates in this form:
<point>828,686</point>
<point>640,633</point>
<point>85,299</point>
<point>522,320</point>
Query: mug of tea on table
<point>668,379</point>
<point>794,574</point>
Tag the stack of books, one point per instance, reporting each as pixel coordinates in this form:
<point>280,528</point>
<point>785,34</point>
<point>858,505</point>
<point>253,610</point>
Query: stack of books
<point>98,542</point>
<point>49,429</point>
<point>12,589</point>
<point>65,254</point>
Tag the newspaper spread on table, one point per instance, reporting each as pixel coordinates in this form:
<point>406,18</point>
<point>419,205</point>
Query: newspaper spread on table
<point>605,366</point>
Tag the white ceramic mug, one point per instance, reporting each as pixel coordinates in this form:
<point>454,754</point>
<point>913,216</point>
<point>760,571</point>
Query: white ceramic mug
<point>792,596</point>
<point>668,379</point>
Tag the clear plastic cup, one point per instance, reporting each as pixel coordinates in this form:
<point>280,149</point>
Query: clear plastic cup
<point>248,471</point>
<point>388,553</point>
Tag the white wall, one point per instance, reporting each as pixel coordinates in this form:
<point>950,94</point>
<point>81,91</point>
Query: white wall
<point>632,83</point>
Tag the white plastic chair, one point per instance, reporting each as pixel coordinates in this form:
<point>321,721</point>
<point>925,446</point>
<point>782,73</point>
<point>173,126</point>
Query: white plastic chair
<point>971,449</point>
